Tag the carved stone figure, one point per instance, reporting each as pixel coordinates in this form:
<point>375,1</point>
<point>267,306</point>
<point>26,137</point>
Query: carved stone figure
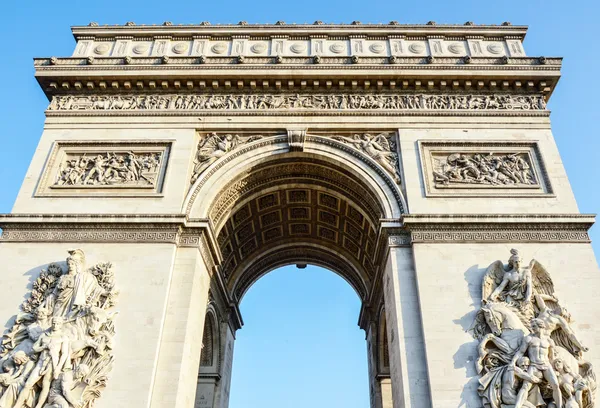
<point>109,169</point>
<point>14,379</point>
<point>59,350</point>
<point>529,356</point>
<point>540,350</point>
<point>296,101</point>
<point>67,389</point>
<point>213,146</point>
<point>485,169</point>
<point>379,148</point>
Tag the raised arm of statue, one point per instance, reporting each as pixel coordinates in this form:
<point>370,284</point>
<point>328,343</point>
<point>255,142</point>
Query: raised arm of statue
<point>529,286</point>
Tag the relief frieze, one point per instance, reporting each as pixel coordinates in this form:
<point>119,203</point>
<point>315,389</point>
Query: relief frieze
<point>482,168</point>
<point>273,101</point>
<point>105,168</point>
<point>110,169</point>
<point>460,169</point>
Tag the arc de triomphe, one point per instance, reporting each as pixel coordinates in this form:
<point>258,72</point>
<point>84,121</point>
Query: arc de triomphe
<point>179,164</point>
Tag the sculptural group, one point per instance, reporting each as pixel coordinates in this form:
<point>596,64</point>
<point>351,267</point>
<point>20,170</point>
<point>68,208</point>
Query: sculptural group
<point>109,169</point>
<point>297,101</point>
<point>487,169</point>
<point>58,352</point>
<point>529,356</point>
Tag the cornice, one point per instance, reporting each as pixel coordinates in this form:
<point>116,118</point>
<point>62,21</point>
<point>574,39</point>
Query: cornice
<point>317,28</point>
<point>295,74</point>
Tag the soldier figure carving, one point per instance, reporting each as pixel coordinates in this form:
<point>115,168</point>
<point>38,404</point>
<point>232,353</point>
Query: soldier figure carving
<point>529,355</point>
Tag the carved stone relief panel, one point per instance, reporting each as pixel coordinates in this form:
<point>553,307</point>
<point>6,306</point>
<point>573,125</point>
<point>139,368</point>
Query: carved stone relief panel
<point>483,169</point>
<point>519,316</point>
<point>302,102</point>
<point>58,351</point>
<point>105,168</point>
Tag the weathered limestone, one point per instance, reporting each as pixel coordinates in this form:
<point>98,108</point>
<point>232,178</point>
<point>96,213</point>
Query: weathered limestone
<point>405,158</point>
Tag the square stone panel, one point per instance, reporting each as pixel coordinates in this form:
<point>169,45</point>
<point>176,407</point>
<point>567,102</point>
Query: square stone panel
<point>299,213</point>
<point>298,196</point>
<point>327,233</point>
<point>328,218</point>
<point>273,233</point>
<point>271,218</point>
<point>483,168</point>
<point>268,201</point>
<point>244,232</point>
<point>300,229</point>
<point>242,215</point>
<point>105,168</point>
<point>329,201</point>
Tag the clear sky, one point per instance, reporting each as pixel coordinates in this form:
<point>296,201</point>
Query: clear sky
<point>300,345</point>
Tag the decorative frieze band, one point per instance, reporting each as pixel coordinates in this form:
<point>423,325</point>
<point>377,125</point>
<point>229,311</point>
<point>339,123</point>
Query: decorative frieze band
<point>300,102</point>
<point>486,228</point>
<point>458,236</point>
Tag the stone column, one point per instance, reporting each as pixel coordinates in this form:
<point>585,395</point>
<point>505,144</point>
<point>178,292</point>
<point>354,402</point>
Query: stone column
<point>374,386</point>
<point>224,385</point>
<point>408,365</point>
<point>180,348</point>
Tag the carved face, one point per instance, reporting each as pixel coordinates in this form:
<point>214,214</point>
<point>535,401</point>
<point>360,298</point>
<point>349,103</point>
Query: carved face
<point>73,263</point>
<point>516,262</point>
<point>558,365</point>
<point>57,323</point>
<point>523,363</point>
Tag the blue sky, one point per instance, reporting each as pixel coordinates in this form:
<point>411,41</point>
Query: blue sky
<point>300,345</point>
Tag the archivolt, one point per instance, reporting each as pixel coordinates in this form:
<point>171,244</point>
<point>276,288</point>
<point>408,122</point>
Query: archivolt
<point>242,161</point>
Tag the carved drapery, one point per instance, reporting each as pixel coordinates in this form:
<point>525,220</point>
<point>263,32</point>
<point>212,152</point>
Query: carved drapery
<point>529,354</point>
<point>59,350</point>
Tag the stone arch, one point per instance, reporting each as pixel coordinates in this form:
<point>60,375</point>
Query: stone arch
<point>211,344</point>
<point>383,353</point>
<point>243,159</point>
<point>270,206</point>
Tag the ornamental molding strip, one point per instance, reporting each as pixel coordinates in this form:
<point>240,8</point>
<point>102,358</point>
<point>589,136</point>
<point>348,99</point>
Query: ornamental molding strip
<point>105,168</point>
<point>569,228</point>
<point>519,313</point>
<point>61,342</point>
<point>483,168</point>
<point>260,102</point>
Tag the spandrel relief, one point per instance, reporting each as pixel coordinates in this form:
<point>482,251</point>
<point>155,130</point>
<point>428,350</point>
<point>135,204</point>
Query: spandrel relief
<point>213,146</point>
<point>379,147</point>
<point>58,353</point>
<point>105,169</point>
<point>528,354</point>
<point>483,168</point>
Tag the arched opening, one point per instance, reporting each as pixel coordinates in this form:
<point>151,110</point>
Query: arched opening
<point>324,206</point>
<point>300,343</point>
